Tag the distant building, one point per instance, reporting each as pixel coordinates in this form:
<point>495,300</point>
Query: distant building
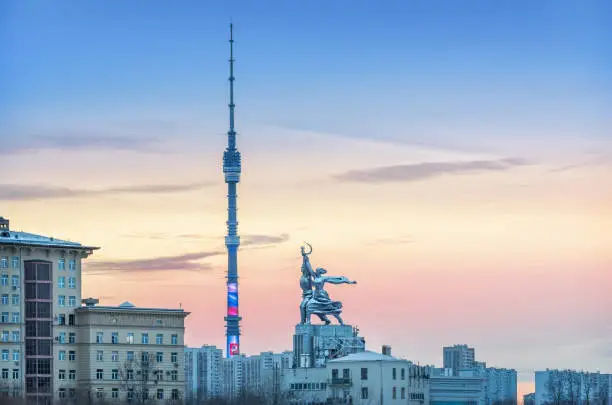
<point>315,345</point>
<point>305,386</point>
<point>203,373</point>
<point>529,399</point>
<point>458,357</point>
<point>372,378</point>
<point>557,387</point>
<point>447,389</point>
<point>128,353</point>
<point>500,384</point>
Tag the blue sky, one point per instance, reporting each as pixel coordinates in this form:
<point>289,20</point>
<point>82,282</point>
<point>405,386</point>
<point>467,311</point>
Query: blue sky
<point>354,68</point>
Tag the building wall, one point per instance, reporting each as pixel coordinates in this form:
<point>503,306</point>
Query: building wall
<point>458,357</point>
<point>203,373</point>
<point>456,390</point>
<point>114,340</point>
<point>304,385</point>
<point>550,382</point>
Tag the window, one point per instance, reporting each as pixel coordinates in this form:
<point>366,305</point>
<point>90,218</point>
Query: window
<point>174,375</point>
<point>159,339</point>
<point>99,337</point>
<point>61,392</point>
<point>15,374</point>
<point>15,355</point>
<point>174,339</point>
<point>175,394</point>
<point>100,355</point>
<point>159,357</point>
<point>62,355</point>
<point>5,335</point>
<point>115,393</point>
<point>159,375</point>
<point>15,299</point>
<point>71,393</point>
<point>5,317</point>
<point>115,356</point>
<point>115,338</point>
<point>61,337</point>
<point>173,357</point>
<point>15,336</point>
<point>61,375</point>
<point>160,393</point>
<point>364,393</point>
<point>72,337</point>
<point>403,370</point>
<point>130,356</point>
<point>130,338</point>
<point>15,317</point>
<point>15,262</point>
<point>71,355</point>
<point>115,374</point>
<point>144,358</point>
<point>403,392</point>
<point>394,373</point>
<point>61,300</point>
<point>4,262</point>
<point>364,373</point>
<point>99,392</point>
<point>4,279</point>
<point>15,281</point>
<point>130,394</point>
<point>334,373</point>
<point>346,373</point>
<point>72,282</point>
<point>145,338</point>
<point>130,374</point>
<point>99,374</point>
<point>61,319</point>
<point>5,354</point>
<point>72,375</point>
<point>61,282</point>
<point>72,301</point>
<point>5,373</point>
<point>394,393</point>
<point>61,264</point>
<point>5,299</point>
<point>72,265</point>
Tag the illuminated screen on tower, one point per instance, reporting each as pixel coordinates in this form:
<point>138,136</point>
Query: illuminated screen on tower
<point>232,299</point>
<point>233,346</point>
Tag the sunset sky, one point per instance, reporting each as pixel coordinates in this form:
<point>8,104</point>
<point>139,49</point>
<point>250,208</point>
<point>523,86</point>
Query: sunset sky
<point>455,158</point>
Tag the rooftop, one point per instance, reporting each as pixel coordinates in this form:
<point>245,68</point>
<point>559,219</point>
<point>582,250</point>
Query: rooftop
<point>365,356</point>
<point>90,305</point>
<point>8,237</point>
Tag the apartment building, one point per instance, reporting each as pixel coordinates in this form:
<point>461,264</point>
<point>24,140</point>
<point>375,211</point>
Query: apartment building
<point>458,357</point>
<point>203,374</point>
<point>128,353</point>
<point>40,288</point>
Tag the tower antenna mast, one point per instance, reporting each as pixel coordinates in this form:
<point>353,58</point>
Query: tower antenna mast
<point>231,171</point>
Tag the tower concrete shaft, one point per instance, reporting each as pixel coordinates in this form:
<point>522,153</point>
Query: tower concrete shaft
<point>231,170</point>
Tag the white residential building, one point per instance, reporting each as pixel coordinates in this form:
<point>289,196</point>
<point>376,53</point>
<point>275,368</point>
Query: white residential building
<point>370,378</point>
<point>500,383</point>
<point>203,373</point>
<point>448,389</point>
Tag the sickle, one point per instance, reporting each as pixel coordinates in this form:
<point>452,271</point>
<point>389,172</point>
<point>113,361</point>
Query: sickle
<point>309,247</point>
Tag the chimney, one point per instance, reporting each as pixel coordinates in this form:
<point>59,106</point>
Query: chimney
<point>90,302</point>
<point>4,227</point>
<point>386,350</point>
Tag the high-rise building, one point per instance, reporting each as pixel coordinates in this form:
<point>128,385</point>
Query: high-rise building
<point>500,383</point>
<point>203,373</point>
<point>231,171</point>
<point>40,288</point>
<point>458,357</point>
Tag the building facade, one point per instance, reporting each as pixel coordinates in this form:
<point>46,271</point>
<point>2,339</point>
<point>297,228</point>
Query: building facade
<point>203,373</point>
<point>556,387</point>
<point>369,378</point>
<point>130,353</point>
<point>40,288</point>
<point>448,389</point>
<point>500,384</point>
<point>458,357</point>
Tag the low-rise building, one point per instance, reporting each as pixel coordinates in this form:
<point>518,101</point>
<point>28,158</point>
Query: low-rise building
<point>448,389</point>
<point>128,353</point>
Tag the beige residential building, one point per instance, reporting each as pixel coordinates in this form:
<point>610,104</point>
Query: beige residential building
<point>130,353</point>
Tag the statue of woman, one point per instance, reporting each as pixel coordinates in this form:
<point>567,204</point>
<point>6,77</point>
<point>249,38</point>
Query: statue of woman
<point>321,304</point>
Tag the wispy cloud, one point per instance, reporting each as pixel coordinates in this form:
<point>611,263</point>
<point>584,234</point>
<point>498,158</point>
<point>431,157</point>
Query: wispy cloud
<point>22,144</point>
<point>188,261</point>
<point>427,170</point>
<point>251,240</point>
<point>245,240</point>
<point>16,192</point>
<point>402,240</point>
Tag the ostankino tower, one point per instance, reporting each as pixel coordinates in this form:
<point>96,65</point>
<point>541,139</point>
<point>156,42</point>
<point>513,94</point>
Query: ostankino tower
<point>231,170</point>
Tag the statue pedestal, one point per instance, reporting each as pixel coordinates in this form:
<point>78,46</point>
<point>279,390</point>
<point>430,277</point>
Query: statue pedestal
<point>314,345</point>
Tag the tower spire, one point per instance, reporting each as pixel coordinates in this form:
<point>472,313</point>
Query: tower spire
<point>231,171</point>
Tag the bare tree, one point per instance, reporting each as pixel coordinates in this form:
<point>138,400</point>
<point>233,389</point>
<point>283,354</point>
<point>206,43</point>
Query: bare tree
<point>139,377</point>
<point>555,387</point>
<point>589,386</point>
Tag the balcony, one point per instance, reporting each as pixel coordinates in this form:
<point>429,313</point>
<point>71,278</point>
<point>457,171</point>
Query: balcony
<point>340,382</point>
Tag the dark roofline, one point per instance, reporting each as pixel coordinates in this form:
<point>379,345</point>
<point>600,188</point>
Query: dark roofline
<point>131,309</point>
<point>22,243</point>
